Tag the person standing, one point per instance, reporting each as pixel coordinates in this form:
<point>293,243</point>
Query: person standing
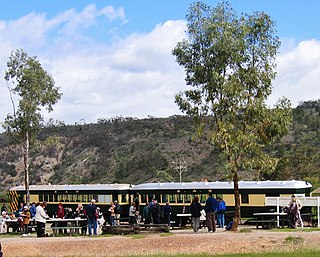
<point>294,217</point>
<point>92,215</point>
<point>167,210</point>
<point>146,213</point>
<point>112,214</point>
<point>155,211</point>
<point>117,212</point>
<point>137,202</point>
<point>61,215</point>
<point>220,212</point>
<point>132,214</point>
<point>41,219</point>
<point>26,219</point>
<point>33,210</point>
<point>211,208</point>
<point>80,213</point>
<point>195,208</point>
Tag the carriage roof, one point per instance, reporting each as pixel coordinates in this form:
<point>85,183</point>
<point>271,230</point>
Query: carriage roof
<point>224,185</point>
<point>82,187</point>
<point>293,184</point>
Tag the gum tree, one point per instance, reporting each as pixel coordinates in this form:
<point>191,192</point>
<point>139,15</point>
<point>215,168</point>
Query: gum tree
<point>230,63</point>
<point>32,90</point>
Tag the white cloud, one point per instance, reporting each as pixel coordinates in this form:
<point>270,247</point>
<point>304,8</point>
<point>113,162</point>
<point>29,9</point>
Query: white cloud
<point>134,76</point>
<point>298,73</point>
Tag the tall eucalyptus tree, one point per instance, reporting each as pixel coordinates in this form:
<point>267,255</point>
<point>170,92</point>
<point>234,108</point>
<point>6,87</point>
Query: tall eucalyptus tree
<point>31,90</point>
<point>229,61</point>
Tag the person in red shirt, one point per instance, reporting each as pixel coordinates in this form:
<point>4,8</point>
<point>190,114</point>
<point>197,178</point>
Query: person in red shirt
<point>61,215</point>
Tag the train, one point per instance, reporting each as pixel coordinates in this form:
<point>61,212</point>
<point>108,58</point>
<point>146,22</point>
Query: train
<point>179,195</point>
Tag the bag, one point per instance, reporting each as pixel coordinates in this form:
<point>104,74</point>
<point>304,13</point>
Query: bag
<point>229,226</point>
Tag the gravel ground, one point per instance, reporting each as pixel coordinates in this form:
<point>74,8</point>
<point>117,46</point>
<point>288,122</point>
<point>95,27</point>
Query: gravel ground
<point>178,241</point>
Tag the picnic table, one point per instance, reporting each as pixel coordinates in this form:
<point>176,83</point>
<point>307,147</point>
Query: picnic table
<point>182,217</point>
<point>270,219</point>
<point>72,225</point>
<point>13,224</point>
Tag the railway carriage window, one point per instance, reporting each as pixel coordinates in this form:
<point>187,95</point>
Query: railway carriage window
<point>180,198</point>
<point>66,198</point>
<point>203,198</point>
<point>46,198</point>
<point>144,198</point>
<point>51,198</point>
<point>84,198</point>
<point>124,198</point>
<point>169,198</point>
<point>101,199</point>
<point>76,198</point>
<point>40,198</point>
<point>104,198</point>
<point>188,198</point>
<point>244,198</point>
<point>55,198</point>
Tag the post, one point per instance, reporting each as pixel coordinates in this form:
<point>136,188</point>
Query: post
<point>278,211</point>
<point>318,211</point>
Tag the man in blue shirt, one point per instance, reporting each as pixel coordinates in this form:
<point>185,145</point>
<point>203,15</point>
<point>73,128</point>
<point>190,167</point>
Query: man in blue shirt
<point>33,210</point>
<point>211,209</point>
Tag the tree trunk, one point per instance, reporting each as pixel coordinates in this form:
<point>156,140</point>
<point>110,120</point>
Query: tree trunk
<point>236,202</point>
<point>26,168</point>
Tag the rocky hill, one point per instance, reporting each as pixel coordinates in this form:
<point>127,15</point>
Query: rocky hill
<point>127,150</point>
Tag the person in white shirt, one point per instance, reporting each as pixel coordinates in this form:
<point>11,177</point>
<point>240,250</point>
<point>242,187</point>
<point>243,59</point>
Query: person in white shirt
<point>41,219</point>
<point>3,225</point>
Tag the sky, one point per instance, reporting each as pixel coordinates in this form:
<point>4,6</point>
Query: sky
<point>114,58</point>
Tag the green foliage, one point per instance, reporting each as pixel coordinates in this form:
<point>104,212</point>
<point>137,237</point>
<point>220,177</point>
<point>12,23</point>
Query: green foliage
<point>230,63</point>
<point>76,155</point>
<point>35,89</point>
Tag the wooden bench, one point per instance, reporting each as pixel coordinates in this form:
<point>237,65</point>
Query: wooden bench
<point>266,224</point>
<point>154,227</point>
<point>72,230</point>
<point>122,229</point>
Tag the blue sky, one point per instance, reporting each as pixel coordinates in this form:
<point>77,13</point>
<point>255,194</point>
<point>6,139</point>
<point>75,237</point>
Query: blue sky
<point>113,58</point>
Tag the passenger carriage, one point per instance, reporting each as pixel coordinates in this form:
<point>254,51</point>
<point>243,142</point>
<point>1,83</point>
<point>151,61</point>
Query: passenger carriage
<point>180,195</point>
<point>72,195</point>
<point>252,193</point>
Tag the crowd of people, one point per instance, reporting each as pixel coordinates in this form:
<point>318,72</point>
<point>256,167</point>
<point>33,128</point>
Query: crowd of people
<point>91,218</point>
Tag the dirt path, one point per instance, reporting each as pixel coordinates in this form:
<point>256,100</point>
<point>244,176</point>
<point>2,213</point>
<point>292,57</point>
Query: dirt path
<point>178,241</point>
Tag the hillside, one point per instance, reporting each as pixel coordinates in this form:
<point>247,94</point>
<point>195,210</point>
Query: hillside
<point>128,150</point>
